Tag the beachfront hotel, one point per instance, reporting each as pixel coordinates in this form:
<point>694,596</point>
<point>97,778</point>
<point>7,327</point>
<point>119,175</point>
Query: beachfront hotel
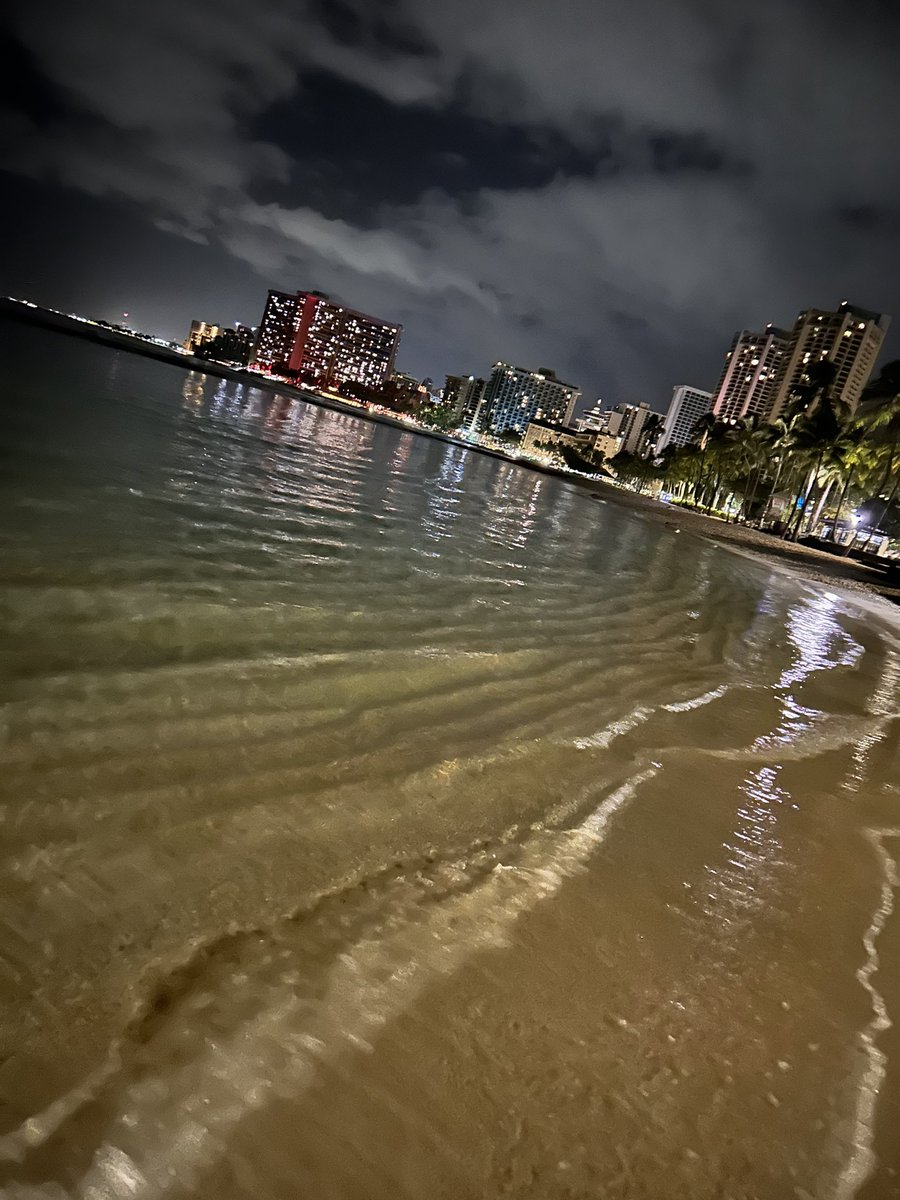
<point>850,338</point>
<point>752,374</point>
<point>764,370</point>
<point>306,335</point>
<point>515,396</point>
<point>277,331</point>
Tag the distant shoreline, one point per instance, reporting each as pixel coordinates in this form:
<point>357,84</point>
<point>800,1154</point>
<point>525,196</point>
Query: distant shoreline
<point>17,310</point>
<point>815,564</point>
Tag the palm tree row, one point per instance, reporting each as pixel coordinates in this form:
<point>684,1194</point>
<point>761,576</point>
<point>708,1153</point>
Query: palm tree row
<point>810,466</point>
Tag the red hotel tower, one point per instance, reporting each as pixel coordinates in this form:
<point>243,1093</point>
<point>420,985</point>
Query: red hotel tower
<point>323,343</point>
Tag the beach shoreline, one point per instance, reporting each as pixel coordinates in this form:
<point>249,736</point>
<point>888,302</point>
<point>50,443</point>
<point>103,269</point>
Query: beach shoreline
<point>816,565</point>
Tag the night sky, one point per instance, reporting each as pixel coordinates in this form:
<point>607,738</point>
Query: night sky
<point>608,189</point>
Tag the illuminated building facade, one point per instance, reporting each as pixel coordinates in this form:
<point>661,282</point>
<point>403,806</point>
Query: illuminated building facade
<point>752,374</point>
<point>764,371</point>
<point>308,336</point>
<point>605,444</point>
<point>596,419</point>
<point>850,338</point>
<point>277,331</point>
<point>513,397</point>
<point>541,436</point>
<point>624,427</point>
<point>200,332</point>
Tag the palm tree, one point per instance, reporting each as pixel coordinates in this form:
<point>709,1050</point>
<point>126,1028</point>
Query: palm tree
<point>735,459</point>
<point>651,431</point>
<point>885,509</point>
<point>848,458</point>
<point>880,415</point>
<point>678,467</point>
<point>700,436</point>
<point>636,470</point>
<point>779,440</point>
<point>718,451</point>
<point>751,446</point>
<point>823,415</point>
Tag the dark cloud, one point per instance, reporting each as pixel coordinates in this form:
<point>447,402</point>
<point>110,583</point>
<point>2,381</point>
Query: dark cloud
<point>862,216</point>
<point>608,188</point>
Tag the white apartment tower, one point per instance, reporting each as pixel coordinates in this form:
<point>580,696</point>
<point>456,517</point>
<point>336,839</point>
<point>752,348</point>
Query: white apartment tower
<point>688,405</point>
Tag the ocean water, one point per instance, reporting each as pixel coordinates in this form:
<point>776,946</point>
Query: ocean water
<point>382,820</point>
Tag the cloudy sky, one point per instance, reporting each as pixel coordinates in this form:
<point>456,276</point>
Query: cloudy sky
<point>609,189</point>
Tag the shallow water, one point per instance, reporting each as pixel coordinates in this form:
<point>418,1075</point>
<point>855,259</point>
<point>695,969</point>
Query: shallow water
<point>383,820</point>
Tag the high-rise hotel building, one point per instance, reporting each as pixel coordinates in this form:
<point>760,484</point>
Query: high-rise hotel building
<point>277,331</point>
<point>514,396</point>
<point>764,370</point>
<point>850,338</point>
<point>752,375</point>
<point>323,343</point>
<point>688,405</point>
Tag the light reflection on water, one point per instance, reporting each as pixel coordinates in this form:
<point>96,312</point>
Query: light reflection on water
<point>746,881</point>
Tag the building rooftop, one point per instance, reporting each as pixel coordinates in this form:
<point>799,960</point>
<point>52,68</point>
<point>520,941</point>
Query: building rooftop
<point>845,306</point>
<point>353,312</point>
<point>864,314</point>
<point>545,372</point>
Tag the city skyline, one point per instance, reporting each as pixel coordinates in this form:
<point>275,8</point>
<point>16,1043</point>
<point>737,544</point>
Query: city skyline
<point>668,176</point>
<point>758,378</point>
<point>307,338</point>
<point>306,333</point>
